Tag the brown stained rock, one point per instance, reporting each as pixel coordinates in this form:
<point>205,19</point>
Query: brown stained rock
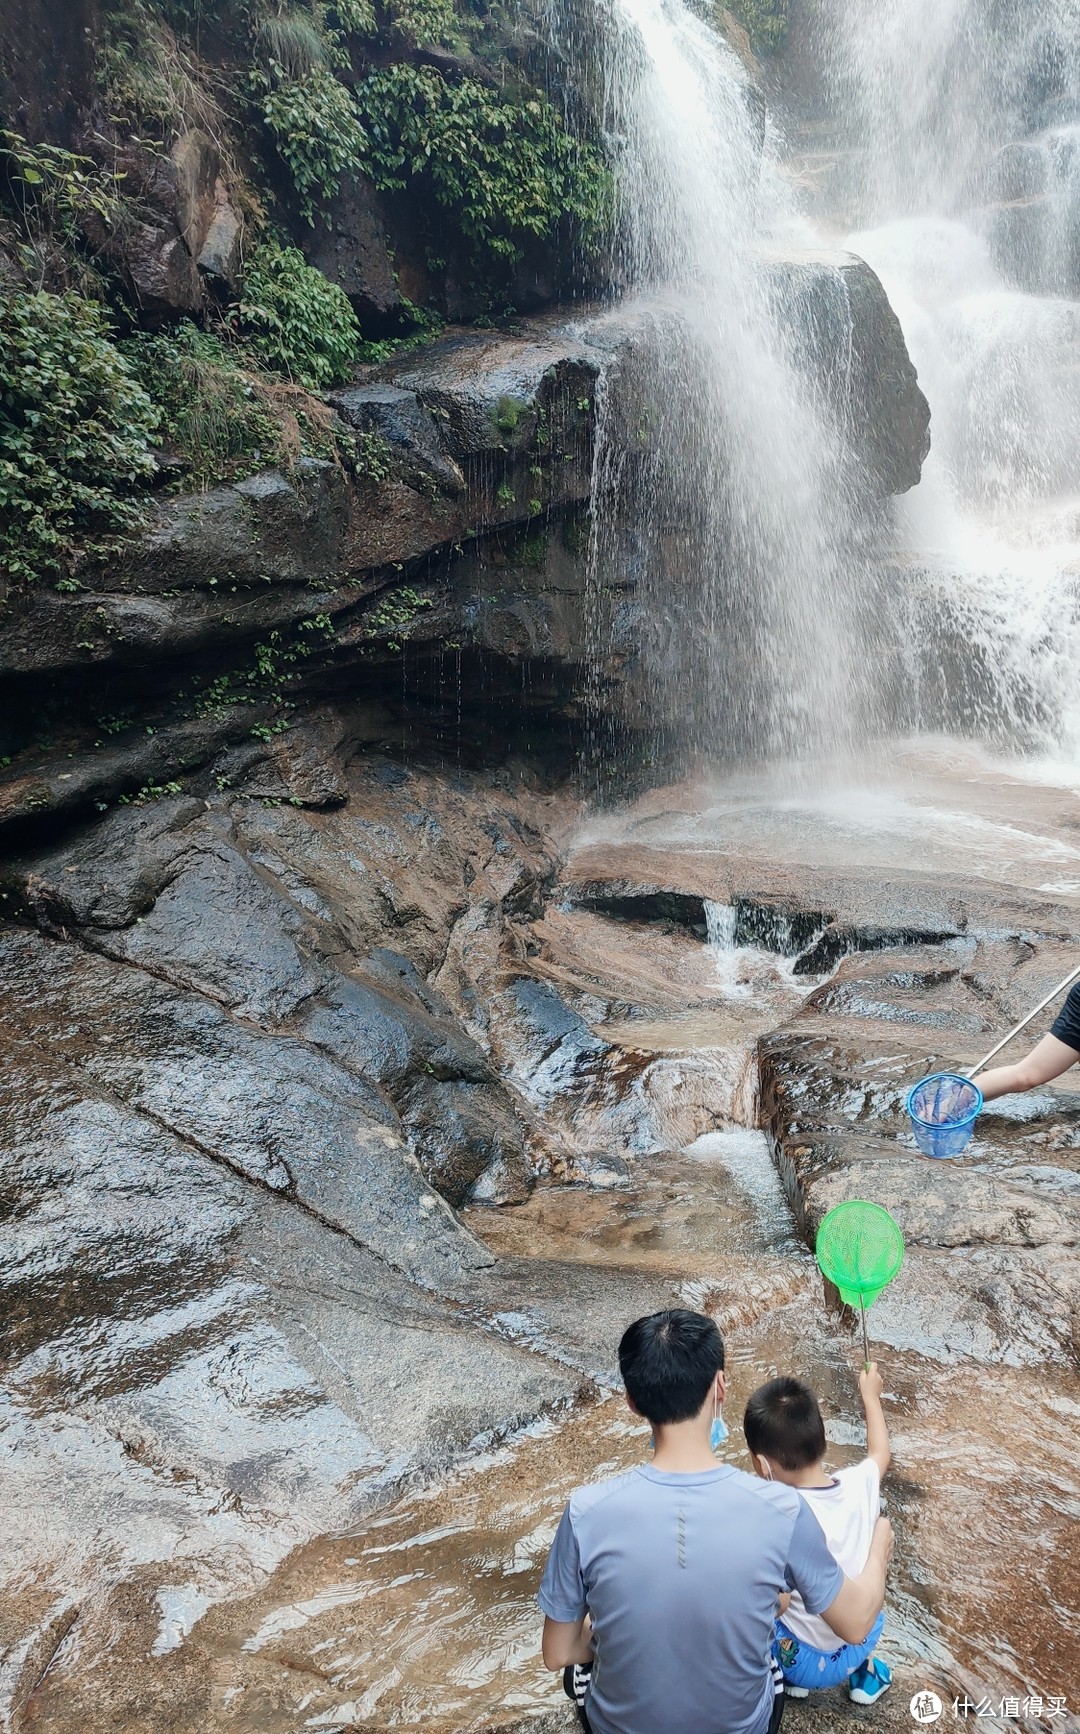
<point>220,251</point>
<point>160,271</point>
<point>196,161</point>
<point>179,197</point>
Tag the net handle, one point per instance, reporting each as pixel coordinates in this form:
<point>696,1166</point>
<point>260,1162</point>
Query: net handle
<point>865,1344</point>
<point>1022,1025</point>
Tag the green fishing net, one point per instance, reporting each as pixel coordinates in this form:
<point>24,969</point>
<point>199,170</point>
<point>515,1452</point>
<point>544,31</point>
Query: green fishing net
<point>859,1248</point>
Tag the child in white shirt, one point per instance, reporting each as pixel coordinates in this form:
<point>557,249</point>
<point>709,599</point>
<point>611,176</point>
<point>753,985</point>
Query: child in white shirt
<point>785,1436</point>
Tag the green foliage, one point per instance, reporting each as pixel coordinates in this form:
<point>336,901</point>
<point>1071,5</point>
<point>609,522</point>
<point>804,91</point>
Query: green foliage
<point>372,456</point>
<point>352,17</point>
<point>766,20</point>
<point>47,190</point>
<point>75,431</point>
<point>317,132</point>
<point>267,679</point>
<point>428,23</point>
<point>291,44</point>
<point>393,614</point>
<point>507,169</point>
<point>223,418</point>
<point>150,792</point>
<point>508,413</point>
<point>296,321</point>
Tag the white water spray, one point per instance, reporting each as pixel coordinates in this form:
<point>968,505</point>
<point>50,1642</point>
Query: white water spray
<point>721,497</point>
<point>961,132</point>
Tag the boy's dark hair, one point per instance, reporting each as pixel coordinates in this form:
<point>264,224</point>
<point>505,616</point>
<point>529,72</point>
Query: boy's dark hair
<point>783,1421</point>
<point>668,1361</point>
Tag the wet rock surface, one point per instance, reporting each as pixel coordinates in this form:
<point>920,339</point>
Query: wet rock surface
<point>253,1049</point>
<point>455,543</point>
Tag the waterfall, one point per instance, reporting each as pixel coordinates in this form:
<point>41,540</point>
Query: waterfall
<point>959,128</point>
<point>724,514</point>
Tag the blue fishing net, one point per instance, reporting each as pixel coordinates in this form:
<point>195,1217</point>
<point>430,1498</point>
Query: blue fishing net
<point>942,1110</point>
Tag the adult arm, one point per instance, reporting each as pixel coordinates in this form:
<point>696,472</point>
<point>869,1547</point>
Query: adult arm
<point>1047,1060</point>
<point>566,1642</point>
<point>567,1632</point>
<point>877,1432</point>
<point>852,1612</point>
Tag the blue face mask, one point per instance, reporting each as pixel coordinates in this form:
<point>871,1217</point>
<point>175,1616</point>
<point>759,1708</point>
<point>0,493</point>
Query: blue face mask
<point>718,1432</point>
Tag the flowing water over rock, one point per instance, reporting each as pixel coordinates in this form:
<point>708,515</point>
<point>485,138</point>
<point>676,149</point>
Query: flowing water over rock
<point>724,483</point>
<point>957,131</point>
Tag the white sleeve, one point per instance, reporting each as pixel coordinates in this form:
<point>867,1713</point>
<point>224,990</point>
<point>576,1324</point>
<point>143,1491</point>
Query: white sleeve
<point>865,1478</point>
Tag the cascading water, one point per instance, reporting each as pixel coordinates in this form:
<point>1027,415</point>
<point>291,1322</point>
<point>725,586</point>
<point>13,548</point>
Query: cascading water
<point>959,128</point>
<point>722,494</point>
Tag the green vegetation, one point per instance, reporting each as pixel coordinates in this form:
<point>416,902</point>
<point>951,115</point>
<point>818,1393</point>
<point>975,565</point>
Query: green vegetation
<point>299,96</point>
<point>47,190</point>
<point>75,432</point>
<point>507,168</point>
<point>427,23</point>
<point>297,322</point>
<point>766,21</point>
<point>150,75</point>
<point>317,132</point>
<point>265,680</point>
<point>393,614</point>
<point>220,416</point>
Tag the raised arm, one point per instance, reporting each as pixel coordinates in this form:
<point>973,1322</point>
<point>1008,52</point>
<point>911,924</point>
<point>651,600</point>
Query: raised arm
<point>856,1606</point>
<point>877,1432</point>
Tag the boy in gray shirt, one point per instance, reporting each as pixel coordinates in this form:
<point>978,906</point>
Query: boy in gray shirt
<point>666,1579</point>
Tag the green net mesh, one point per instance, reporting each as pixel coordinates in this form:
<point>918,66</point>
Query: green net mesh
<point>859,1248</point>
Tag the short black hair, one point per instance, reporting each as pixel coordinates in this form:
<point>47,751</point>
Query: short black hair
<point>668,1361</point>
<point>783,1421</point>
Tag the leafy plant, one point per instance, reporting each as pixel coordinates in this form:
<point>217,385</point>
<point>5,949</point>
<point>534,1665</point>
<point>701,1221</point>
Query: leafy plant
<point>222,417</point>
<point>75,432</point>
<point>316,130</point>
<point>427,23</point>
<point>352,17</point>
<point>393,614</point>
<point>296,321</point>
<point>507,169</point>
<point>47,189</point>
<point>372,456</point>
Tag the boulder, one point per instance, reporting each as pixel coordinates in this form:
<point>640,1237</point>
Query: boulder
<point>187,224</point>
<point>220,252</point>
<point>271,528</point>
<point>846,335</point>
<point>161,274</point>
<point>348,245</point>
<point>493,393</point>
<point>398,417</point>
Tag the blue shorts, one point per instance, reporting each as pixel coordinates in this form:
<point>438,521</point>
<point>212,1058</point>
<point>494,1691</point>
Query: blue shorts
<point>815,1669</point>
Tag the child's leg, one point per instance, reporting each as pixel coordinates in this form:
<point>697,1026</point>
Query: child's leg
<point>810,1670</point>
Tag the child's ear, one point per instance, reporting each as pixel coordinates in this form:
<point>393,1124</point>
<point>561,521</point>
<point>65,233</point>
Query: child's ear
<point>762,1466</point>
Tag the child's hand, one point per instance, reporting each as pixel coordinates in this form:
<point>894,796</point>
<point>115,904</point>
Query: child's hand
<point>871,1383</point>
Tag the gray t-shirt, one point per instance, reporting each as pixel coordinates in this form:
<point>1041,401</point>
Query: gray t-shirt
<point>680,1574</point>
